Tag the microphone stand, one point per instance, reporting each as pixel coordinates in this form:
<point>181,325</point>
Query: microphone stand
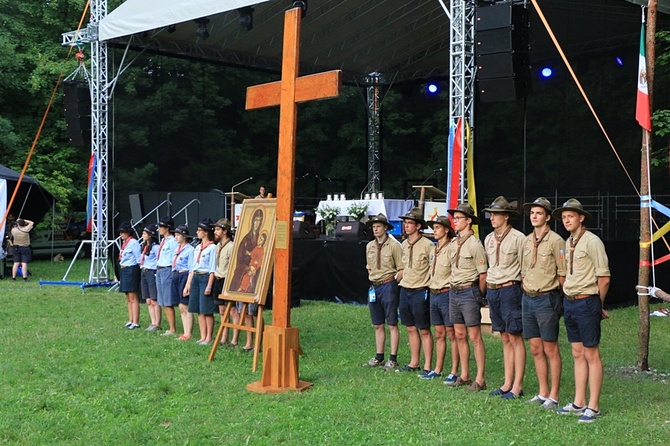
<point>232,200</point>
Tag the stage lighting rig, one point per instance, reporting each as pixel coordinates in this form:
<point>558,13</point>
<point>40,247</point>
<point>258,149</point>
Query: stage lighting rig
<point>246,18</point>
<point>202,28</point>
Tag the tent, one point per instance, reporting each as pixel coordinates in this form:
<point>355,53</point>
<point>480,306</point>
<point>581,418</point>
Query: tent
<point>32,201</point>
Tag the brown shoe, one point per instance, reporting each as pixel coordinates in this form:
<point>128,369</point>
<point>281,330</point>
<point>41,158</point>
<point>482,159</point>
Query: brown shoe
<point>476,387</point>
<point>460,382</point>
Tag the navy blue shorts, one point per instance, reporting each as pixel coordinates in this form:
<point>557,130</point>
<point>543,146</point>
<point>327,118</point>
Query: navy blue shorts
<point>129,280</point>
<point>582,320</point>
<point>385,309</point>
<point>465,306</point>
<point>505,309</point>
<point>252,309</point>
<point>198,301</point>
<point>541,315</point>
<point>148,284</point>
<point>415,308</point>
<point>439,309</point>
<point>22,254</point>
<point>178,283</point>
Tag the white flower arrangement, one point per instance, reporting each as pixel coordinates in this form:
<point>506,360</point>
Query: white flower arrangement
<point>357,210</point>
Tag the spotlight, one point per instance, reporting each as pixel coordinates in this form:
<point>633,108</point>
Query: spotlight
<point>202,28</point>
<point>246,18</point>
<point>432,88</point>
<point>619,61</point>
<point>546,72</point>
<point>302,4</point>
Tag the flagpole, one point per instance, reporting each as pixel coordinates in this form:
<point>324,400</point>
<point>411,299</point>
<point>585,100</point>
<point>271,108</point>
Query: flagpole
<point>643,112</point>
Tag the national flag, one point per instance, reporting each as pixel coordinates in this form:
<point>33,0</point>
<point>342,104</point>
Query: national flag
<point>642,109</point>
<point>454,152</point>
<point>92,166</point>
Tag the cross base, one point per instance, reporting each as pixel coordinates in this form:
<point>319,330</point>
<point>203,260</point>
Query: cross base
<point>281,348</point>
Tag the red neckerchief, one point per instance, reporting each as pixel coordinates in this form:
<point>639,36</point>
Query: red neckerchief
<point>123,246</point>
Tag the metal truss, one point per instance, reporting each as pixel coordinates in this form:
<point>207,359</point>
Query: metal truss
<point>374,83</point>
<point>462,78</point>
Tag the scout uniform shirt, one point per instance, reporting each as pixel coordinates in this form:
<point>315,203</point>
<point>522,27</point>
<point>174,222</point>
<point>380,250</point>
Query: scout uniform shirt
<point>543,264</point>
<point>469,263</point>
<point>585,264</point>
<point>504,254</point>
<point>416,258</point>
<point>21,235</point>
<point>223,252</point>
<point>166,251</point>
<point>130,254</point>
<point>440,267</point>
<point>385,262</point>
<point>182,258</point>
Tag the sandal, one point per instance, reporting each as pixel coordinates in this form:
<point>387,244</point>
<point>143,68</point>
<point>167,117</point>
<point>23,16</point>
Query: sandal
<point>476,387</point>
<point>183,338</point>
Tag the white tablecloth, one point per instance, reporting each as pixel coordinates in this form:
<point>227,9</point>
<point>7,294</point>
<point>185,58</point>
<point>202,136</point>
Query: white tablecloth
<point>393,209</point>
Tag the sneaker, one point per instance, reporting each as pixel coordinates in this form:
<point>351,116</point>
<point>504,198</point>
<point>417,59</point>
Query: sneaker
<point>373,362</point>
<point>423,372</point>
<point>450,379</point>
<point>537,399</point>
<point>499,392</point>
<point>460,382</point>
<point>549,404</point>
<point>133,326</point>
<point>571,409</point>
<point>128,324</point>
<point>152,327</point>
<point>204,342</point>
<point>589,416</point>
<point>430,375</point>
<point>476,387</point>
<point>407,368</point>
<point>168,333</point>
<point>391,365</point>
<point>511,395</point>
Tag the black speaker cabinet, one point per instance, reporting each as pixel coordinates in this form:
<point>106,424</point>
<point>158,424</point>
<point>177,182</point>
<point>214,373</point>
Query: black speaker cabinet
<point>301,230</point>
<point>502,15</point>
<point>353,230</point>
<point>77,108</point>
<point>503,89</point>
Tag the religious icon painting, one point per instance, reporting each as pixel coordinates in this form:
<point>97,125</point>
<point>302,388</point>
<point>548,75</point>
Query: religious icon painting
<point>250,268</point>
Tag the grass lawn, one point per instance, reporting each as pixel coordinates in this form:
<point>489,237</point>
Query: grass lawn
<point>72,375</point>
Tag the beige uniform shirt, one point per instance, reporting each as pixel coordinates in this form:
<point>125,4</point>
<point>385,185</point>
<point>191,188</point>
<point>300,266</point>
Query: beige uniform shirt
<point>589,263</point>
<point>223,253</point>
<point>21,235</point>
<point>506,265</point>
<point>549,263</point>
<point>470,263</point>
<point>390,259</point>
<point>440,267</point>
<point>416,273</point>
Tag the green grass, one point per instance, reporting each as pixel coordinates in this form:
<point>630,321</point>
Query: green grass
<point>71,375</point>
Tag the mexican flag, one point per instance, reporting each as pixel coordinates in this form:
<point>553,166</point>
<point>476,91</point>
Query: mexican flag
<point>642,110</point>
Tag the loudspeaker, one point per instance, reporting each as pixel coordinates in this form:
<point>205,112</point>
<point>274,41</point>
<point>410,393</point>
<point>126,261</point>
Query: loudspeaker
<point>353,230</point>
<point>503,89</point>
<point>136,206</point>
<point>302,230</point>
<point>77,108</point>
<point>501,40</point>
<point>501,15</point>
<point>501,65</point>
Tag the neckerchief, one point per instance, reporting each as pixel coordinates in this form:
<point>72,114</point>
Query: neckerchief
<point>499,240</point>
<point>123,246</point>
<point>460,242</point>
<point>536,243</point>
<point>379,251</point>
<point>573,243</point>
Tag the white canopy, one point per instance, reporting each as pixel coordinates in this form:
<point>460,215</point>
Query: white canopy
<point>136,16</point>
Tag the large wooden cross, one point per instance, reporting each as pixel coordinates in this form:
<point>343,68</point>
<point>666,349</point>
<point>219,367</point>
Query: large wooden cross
<point>281,345</point>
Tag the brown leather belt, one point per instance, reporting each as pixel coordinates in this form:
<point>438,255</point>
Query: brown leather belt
<point>200,272</point>
<point>493,286</point>
<point>144,270</point>
<point>578,296</point>
<point>440,291</point>
<point>415,289</point>
<point>465,287</point>
<point>538,294</point>
<point>385,281</point>
<point>161,267</point>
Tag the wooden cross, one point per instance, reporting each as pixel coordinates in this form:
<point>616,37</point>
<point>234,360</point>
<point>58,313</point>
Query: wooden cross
<point>281,346</point>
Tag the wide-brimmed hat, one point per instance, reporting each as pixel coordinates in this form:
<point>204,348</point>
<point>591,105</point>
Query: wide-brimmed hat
<point>444,221</point>
<point>466,209</point>
<point>207,224</point>
<point>501,204</point>
<point>380,218</point>
<point>125,227</point>
<point>416,215</point>
<point>223,223</point>
<point>571,205</point>
<point>183,230</point>
<point>151,229</point>
<point>539,201</point>
<point>166,222</point>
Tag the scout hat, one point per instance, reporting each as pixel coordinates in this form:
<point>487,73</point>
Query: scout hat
<point>416,215</point>
<point>444,221</point>
<point>541,202</point>
<point>125,227</point>
<point>151,229</point>
<point>183,230</point>
<point>380,218</point>
<point>167,222</point>
<point>501,204</point>
<point>223,223</point>
<point>207,224</point>
<point>571,205</point>
<point>466,209</point>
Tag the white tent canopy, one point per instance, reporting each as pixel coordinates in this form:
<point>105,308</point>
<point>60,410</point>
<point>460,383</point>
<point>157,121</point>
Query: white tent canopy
<point>136,16</point>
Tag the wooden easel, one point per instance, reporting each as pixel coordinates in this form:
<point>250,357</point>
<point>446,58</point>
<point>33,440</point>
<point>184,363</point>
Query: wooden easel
<point>257,329</point>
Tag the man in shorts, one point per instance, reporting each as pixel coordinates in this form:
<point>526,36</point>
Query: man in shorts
<point>384,261</point>
<point>586,284</point>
